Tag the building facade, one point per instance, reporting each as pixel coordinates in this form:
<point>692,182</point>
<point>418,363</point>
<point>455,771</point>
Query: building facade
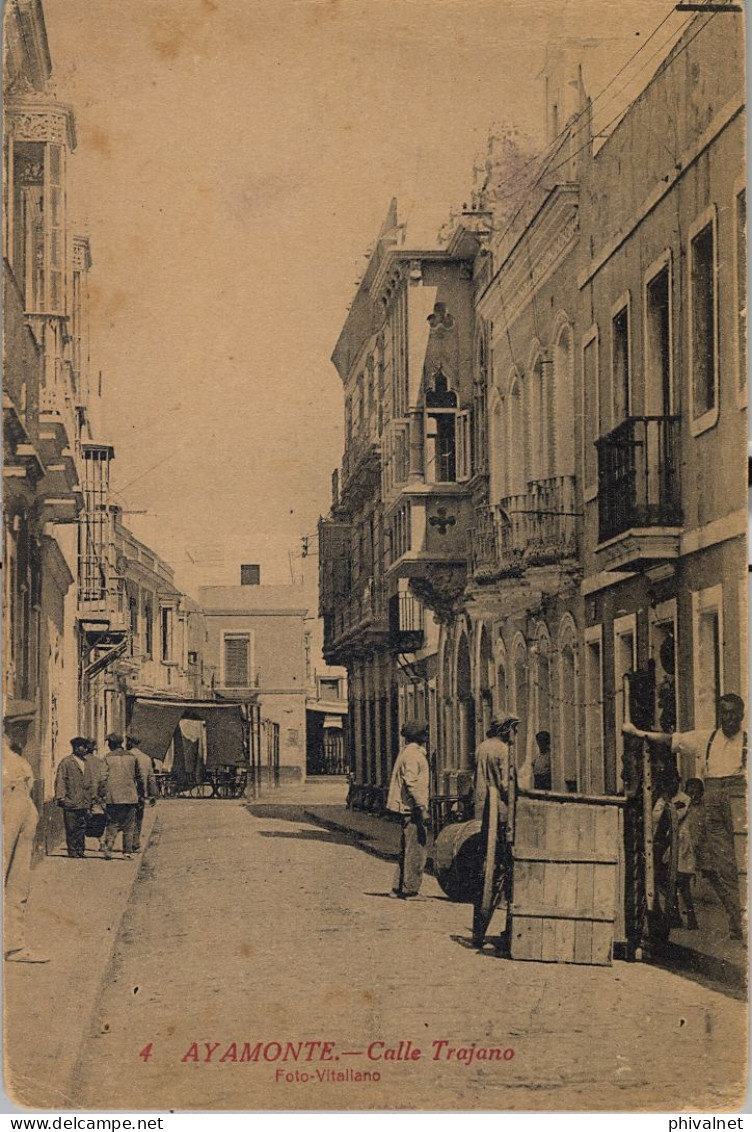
<point>393,551</point>
<point>255,654</point>
<point>544,457</point>
<point>48,401</point>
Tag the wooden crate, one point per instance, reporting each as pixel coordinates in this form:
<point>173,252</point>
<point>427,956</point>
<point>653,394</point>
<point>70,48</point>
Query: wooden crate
<point>566,878</point>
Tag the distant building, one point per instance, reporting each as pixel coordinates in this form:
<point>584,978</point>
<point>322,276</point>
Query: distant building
<point>255,654</point>
<point>326,707</point>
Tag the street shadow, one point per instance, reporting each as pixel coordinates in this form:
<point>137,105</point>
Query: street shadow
<point>489,950</point>
<point>330,831</point>
<point>706,970</point>
<point>310,835</point>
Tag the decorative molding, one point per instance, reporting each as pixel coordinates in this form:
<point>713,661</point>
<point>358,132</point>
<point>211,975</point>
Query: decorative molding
<point>727,527</point>
<point>441,591</point>
<point>41,121</point>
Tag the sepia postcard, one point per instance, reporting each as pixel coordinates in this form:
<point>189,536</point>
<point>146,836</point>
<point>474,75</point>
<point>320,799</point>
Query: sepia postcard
<point>374,555</point>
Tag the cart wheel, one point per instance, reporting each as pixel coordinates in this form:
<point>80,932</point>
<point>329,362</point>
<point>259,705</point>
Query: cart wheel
<point>491,889</point>
<point>201,790</point>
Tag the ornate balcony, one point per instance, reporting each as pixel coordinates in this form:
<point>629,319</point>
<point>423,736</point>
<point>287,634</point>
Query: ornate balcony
<point>361,469</point>
<point>526,530</point>
<point>359,620</point>
<point>639,507</point>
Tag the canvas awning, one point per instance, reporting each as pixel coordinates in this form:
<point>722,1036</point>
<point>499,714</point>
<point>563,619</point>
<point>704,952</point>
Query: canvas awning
<point>154,722</point>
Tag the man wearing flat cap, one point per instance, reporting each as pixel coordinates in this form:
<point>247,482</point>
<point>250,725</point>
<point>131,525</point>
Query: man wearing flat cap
<point>125,785</point>
<point>408,796</point>
<point>77,788</point>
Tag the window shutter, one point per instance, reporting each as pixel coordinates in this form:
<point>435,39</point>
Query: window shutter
<point>237,662</point>
<point>464,448</point>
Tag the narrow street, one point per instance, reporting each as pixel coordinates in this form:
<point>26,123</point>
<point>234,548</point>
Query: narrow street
<point>251,924</point>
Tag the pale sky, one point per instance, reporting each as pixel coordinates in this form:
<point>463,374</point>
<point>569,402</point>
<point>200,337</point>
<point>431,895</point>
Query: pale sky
<point>235,161</point>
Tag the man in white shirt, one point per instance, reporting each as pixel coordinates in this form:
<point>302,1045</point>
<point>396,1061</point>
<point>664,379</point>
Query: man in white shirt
<point>20,818</point>
<point>408,797</point>
<point>720,758</point>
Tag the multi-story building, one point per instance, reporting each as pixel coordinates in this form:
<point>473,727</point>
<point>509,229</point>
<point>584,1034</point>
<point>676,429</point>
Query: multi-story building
<point>47,399</point>
<point>662,280</point>
<point>548,451</point>
<point>255,655</point>
<point>141,637</point>
<point>514,644</point>
<point>393,557</point>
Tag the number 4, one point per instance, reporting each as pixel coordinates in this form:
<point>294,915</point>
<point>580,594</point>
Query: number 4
<point>145,1053</point>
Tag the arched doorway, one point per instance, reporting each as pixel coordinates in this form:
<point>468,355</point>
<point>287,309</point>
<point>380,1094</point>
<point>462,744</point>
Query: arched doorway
<point>566,764</point>
<point>485,679</point>
<point>465,704</point>
<point>521,695</point>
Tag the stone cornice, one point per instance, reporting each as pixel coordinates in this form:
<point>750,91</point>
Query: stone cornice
<point>537,253</point>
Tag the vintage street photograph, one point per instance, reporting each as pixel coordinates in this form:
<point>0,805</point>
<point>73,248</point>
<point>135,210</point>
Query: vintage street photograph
<point>374,555</point>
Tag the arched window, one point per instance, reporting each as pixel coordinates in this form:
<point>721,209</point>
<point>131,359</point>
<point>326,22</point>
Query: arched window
<point>539,417</point>
<point>480,386</point>
<point>497,447</point>
<point>563,422</point>
<point>516,446</point>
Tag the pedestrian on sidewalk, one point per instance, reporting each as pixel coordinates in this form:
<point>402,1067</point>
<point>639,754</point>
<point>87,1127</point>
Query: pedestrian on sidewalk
<point>76,790</point>
<point>492,768</point>
<point>146,766</point>
<point>408,796</point>
<point>20,817</point>
<point>719,756</point>
<point>97,817</point>
<point>125,786</point>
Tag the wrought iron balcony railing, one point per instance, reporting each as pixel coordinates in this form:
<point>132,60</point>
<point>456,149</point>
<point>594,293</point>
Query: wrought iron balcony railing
<point>530,528</point>
<point>638,476</point>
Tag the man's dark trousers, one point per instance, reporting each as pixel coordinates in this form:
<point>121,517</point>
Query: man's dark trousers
<point>75,831</point>
<point>120,816</point>
<point>413,851</point>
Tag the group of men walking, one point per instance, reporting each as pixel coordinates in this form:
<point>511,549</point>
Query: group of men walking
<point>102,797</point>
<point>99,797</point>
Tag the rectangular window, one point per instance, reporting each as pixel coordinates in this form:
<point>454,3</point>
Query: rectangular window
<point>237,660</point>
<point>740,247</point>
<point>464,446</point>
<point>707,610</point>
<point>591,424</point>
<point>620,365</point>
<point>704,369</point>
<point>148,630</point>
<point>658,399</point>
<point>329,689</point>
<point>441,447</point>
<point>166,634</point>
<point>625,660</point>
<point>594,709</point>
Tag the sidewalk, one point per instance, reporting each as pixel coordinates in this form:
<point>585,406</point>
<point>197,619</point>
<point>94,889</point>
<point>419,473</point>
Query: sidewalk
<point>74,914</point>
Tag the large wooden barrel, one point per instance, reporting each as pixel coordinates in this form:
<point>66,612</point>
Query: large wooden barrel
<point>458,859</point>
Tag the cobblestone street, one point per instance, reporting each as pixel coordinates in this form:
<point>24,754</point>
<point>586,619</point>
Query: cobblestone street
<point>251,924</point>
